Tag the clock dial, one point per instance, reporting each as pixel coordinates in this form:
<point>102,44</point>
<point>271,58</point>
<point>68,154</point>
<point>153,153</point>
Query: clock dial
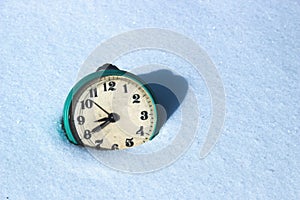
<point>113,112</point>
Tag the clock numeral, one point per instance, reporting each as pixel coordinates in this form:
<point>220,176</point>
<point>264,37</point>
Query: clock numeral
<point>115,147</point>
<point>111,87</point>
<point>98,143</point>
<point>140,131</point>
<point>86,104</point>
<point>136,98</point>
<point>80,120</point>
<point>144,115</point>
<point>125,88</point>
<point>93,92</point>
<point>129,142</point>
<point>87,134</point>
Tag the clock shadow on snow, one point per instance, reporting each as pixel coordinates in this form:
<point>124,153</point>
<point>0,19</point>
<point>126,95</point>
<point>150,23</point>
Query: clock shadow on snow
<point>169,90</point>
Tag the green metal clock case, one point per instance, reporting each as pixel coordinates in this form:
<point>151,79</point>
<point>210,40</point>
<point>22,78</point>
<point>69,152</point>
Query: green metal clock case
<point>105,70</point>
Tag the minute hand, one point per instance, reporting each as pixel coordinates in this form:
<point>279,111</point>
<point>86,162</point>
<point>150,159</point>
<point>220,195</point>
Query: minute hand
<point>101,126</point>
<point>100,107</point>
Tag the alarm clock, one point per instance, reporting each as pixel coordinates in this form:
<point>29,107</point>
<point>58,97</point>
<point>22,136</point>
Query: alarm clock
<point>110,109</point>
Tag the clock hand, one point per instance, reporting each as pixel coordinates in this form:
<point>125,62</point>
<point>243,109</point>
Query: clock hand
<point>101,126</point>
<point>100,107</point>
<point>102,119</point>
<point>112,118</point>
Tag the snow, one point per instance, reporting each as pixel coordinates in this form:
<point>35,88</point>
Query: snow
<point>255,46</point>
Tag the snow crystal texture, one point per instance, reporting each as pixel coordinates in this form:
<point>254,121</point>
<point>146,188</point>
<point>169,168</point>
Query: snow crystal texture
<point>255,46</point>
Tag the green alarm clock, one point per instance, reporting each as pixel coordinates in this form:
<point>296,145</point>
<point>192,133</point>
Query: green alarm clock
<point>110,109</point>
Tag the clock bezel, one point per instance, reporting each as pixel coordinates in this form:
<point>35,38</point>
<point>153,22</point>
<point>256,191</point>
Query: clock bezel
<point>69,127</point>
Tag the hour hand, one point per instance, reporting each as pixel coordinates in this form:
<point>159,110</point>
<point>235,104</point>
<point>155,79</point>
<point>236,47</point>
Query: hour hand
<point>101,126</point>
<point>102,119</point>
<point>112,118</point>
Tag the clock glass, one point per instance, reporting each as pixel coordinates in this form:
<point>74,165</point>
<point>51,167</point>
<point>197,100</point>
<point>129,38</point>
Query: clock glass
<point>110,109</point>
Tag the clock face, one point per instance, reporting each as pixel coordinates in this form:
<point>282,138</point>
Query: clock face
<point>113,111</point>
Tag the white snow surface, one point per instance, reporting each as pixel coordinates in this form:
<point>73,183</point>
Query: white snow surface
<point>255,46</point>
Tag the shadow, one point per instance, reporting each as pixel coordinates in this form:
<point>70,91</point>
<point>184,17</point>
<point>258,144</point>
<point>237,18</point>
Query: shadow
<point>169,89</point>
